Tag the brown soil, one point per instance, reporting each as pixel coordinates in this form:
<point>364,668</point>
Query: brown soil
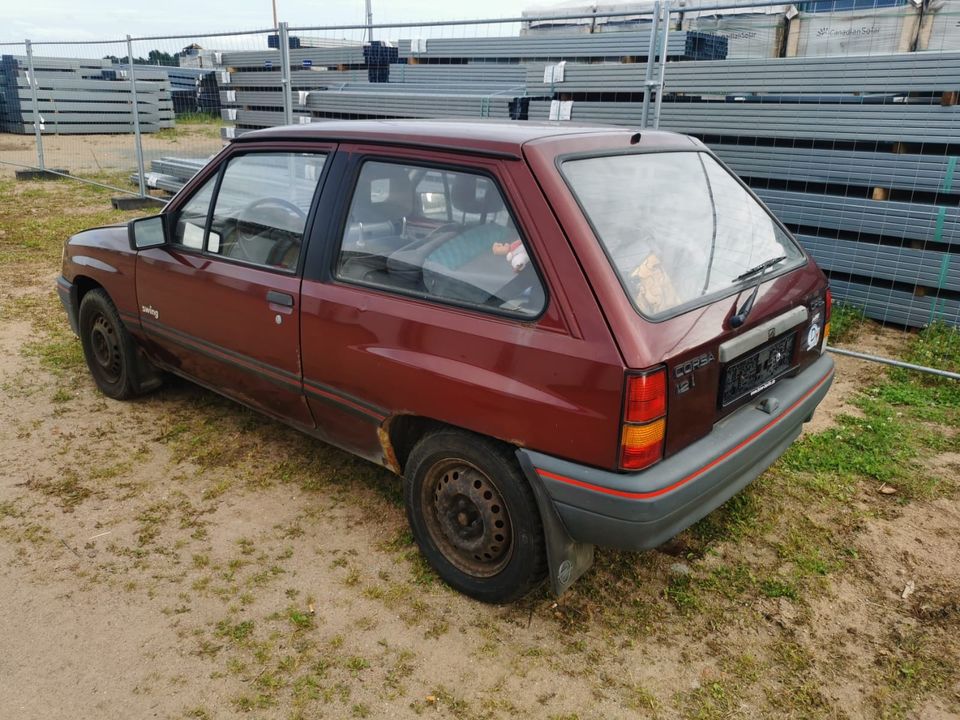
<point>91,155</point>
<point>179,557</point>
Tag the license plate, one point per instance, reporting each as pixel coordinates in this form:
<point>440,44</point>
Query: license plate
<point>757,371</point>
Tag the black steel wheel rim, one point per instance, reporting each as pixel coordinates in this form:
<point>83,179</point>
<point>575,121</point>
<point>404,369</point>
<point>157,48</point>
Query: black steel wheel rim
<point>467,518</point>
<point>105,349</point>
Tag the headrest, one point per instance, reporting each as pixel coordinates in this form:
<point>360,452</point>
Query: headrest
<point>475,195</point>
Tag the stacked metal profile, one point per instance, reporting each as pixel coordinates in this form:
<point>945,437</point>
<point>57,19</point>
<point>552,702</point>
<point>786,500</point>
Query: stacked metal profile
<point>171,173</point>
<point>334,83</point>
<point>251,94</point>
<point>192,90</point>
<point>857,155</point>
<point>81,96</point>
<point>683,45</point>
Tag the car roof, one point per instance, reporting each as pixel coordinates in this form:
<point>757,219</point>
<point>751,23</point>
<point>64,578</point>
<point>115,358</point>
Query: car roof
<point>502,137</point>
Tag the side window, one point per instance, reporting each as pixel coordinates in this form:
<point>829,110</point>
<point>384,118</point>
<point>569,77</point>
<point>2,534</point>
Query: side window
<point>441,234</point>
<point>192,220</point>
<point>260,210</point>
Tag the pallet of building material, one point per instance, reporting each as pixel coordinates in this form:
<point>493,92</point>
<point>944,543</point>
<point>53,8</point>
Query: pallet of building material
<point>900,73</point>
<point>302,57</point>
<point>893,305</point>
<point>929,271</point>
<point>299,80</point>
<point>829,122</point>
<point>262,118</point>
<point>264,99</point>
<point>464,75</point>
<point>630,44</point>
<point>888,219</point>
<point>881,170</point>
<point>407,105</point>
<point>824,28</point>
<point>182,168</point>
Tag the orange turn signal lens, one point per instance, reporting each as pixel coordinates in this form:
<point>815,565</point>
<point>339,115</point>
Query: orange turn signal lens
<point>646,397</point>
<point>642,445</point>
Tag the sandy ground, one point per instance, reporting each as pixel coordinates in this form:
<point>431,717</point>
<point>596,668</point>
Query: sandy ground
<point>179,557</point>
<point>92,155</point>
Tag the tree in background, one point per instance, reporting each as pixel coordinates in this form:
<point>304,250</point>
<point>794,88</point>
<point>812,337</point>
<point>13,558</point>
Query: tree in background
<point>154,57</point>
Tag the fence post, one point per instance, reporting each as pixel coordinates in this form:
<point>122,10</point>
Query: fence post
<point>651,58</point>
<point>663,63</point>
<point>36,106</point>
<point>137,137</point>
<point>285,84</point>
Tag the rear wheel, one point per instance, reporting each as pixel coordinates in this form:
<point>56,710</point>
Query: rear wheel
<point>107,346</point>
<point>474,516</point>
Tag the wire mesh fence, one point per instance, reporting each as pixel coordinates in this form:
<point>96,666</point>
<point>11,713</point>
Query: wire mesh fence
<point>842,115</point>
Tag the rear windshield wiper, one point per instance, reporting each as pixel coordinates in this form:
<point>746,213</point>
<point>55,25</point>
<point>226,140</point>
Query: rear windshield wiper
<point>760,270</point>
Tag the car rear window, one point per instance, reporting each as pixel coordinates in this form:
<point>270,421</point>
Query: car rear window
<point>677,226</point>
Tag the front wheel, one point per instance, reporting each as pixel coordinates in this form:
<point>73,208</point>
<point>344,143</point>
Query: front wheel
<point>474,516</point>
<point>107,346</point>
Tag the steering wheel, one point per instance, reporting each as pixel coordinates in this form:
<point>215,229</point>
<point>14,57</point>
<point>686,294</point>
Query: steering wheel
<point>277,202</point>
<point>281,237</point>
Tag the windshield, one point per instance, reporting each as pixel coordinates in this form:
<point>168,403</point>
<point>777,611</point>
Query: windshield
<point>676,225</point>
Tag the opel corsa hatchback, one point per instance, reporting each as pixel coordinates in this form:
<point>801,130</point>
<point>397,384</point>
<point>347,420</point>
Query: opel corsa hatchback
<point>559,336</point>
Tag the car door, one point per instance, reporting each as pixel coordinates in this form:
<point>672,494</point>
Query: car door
<point>438,306</point>
<point>220,301</point>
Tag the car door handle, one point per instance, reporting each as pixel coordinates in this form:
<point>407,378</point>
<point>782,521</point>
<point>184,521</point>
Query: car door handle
<point>279,298</point>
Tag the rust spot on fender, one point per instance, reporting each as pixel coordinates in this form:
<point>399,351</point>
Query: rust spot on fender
<point>389,455</point>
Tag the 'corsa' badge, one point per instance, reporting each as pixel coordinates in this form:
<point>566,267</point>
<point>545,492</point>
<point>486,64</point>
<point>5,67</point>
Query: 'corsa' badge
<point>683,373</point>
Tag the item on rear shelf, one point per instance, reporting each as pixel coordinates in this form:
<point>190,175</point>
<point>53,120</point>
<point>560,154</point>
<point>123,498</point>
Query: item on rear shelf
<point>653,289</point>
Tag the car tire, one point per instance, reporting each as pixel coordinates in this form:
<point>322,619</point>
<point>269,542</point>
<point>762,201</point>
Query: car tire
<point>108,347</point>
<point>474,516</point>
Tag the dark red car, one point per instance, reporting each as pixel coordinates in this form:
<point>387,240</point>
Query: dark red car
<point>560,336</point>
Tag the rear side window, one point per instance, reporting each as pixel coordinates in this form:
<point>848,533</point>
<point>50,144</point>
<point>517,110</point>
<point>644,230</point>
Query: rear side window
<point>260,210</point>
<point>677,227</point>
<point>440,234</point>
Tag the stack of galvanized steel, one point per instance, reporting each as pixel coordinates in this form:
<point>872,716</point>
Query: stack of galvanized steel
<point>80,96</point>
<point>855,154</point>
<point>193,90</point>
<point>434,77</point>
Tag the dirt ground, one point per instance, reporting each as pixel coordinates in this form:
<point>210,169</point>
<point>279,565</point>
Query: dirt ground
<point>180,557</point>
<point>91,156</point>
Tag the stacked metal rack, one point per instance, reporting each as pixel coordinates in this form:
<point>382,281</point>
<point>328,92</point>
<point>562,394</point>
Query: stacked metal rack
<point>682,45</point>
<point>80,96</point>
<point>192,90</point>
<point>855,154</point>
<point>171,173</point>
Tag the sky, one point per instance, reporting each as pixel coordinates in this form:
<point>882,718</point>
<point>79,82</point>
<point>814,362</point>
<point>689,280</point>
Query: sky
<point>41,20</point>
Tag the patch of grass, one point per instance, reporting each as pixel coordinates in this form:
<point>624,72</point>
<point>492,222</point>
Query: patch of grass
<point>60,353</point>
<point>299,619</point>
<point>915,666</point>
<point>67,489</point>
<point>237,632</point>
<point>845,323</point>
<point>777,588</point>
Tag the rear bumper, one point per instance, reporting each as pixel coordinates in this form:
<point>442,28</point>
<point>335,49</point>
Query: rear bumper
<point>637,511</point>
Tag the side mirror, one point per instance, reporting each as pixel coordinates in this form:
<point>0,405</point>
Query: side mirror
<point>147,232</point>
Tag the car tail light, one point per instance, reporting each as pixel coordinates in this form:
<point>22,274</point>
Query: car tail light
<point>646,397</point>
<point>644,421</point>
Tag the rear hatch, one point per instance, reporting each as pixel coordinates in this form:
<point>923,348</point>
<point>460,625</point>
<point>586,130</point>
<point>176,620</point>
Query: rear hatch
<point>719,292</point>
